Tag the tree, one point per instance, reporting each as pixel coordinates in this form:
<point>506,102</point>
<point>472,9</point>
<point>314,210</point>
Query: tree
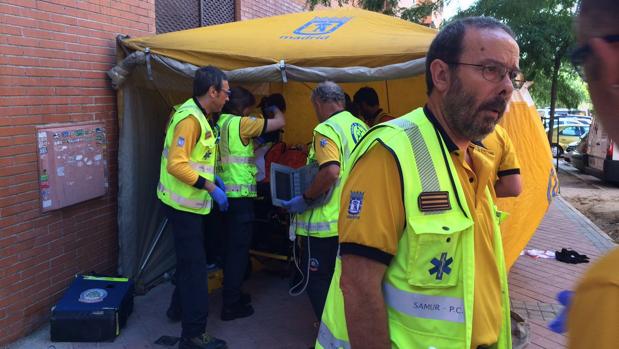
<point>544,32</point>
<point>415,13</point>
<point>571,90</point>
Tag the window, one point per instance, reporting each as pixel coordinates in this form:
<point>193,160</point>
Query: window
<point>174,15</point>
<point>571,131</point>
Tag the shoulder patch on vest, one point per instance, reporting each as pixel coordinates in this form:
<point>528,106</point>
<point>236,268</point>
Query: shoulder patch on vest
<point>180,142</point>
<point>432,201</point>
<point>323,142</point>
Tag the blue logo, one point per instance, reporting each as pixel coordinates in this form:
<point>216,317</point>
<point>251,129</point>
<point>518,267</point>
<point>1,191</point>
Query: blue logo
<point>323,142</point>
<point>314,265</point>
<point>553,185</point>
<point>92,295</point>
<point>357,131</point>
<point>318,28</point>
<point>441,266</point>
<point>355,204</point>
<point>321,26</point>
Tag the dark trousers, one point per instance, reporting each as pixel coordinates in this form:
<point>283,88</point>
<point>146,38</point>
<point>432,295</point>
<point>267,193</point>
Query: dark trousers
<point>321,254</point>
<point>191,292</point>
<point>239,229</point>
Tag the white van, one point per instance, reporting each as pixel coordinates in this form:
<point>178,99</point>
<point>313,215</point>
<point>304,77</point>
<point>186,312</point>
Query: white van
<point>601,154</point>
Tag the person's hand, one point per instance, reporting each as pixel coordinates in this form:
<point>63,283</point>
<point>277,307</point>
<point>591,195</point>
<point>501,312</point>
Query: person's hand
<point>559,324</point>
<point>220,198</point>
<point>220,183</point>
<point>295,205</point>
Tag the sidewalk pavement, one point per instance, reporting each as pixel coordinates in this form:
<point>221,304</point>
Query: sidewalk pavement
<point>534,283</point>
<point>282,321</point>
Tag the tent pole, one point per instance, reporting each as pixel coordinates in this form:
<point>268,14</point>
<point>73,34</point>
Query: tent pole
<point>388,100</point>
<point>152,247</point>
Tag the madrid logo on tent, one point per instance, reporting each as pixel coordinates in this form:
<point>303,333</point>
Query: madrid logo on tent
<point>319,28</point>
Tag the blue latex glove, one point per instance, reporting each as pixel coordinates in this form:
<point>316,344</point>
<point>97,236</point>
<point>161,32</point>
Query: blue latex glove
<point>220,183</point>
<point>559,324</point>
<point>220,198</point>
<point>295,205</point>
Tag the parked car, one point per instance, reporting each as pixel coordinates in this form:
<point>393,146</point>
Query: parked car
<point>600,156</point>
<point>545,112</point>
<point>566,122</point>
<point>567,135</point>
<point>576,151</point>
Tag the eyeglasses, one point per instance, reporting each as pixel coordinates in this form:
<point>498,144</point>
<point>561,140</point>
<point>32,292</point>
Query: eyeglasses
<point>228,92</point>
<point>496,72</point>
<point>579,55</point>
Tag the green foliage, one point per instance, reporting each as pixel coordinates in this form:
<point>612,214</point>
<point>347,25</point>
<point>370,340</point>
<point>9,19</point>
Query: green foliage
<point>571,91</point>
<point>543,30</point>
<point>414,14</point>
<point>424,9</point>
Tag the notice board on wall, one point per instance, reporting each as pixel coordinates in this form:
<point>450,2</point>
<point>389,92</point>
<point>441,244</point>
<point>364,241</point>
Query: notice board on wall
<point>72,163</point>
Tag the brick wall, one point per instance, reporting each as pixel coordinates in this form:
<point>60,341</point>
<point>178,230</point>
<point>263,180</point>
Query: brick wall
<point>53,58</point>
<point>264,8</point>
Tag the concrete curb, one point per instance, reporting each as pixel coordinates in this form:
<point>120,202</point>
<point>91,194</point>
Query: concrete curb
<point>591,231</point>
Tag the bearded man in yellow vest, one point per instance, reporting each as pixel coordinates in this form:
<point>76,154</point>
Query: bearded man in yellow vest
<point>421,261</point>
<point>334,138</point>
<point>237,168</point>
<point>187,186</point>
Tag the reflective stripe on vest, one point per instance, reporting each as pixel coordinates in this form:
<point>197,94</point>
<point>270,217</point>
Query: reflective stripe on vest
<point>343,138</point>
<point>229,159</point>
<point>240,187</point>
<point>424,306</point>
<point>194,165</point>
<point>328,341</point>
<point>315,226</point>
<point>184,201</point>
<point>427,172</point>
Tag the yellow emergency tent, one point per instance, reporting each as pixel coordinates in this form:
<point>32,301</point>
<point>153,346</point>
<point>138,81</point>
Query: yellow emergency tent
<point>540,182</point>
<point>286,54</point>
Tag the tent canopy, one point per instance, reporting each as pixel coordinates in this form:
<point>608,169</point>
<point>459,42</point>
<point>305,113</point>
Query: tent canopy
<point>344,37</point>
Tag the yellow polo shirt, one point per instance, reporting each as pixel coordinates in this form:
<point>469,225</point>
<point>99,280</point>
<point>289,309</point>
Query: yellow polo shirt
<point>593,318</point>
<point>505,159</point>
<point>326,151</point>
<point>375,233</point>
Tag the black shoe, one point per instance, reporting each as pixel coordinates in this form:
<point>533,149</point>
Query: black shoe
<point>173,314</point>
<point>236,311</point>
<point>245,298</point>
<point>203,341</point>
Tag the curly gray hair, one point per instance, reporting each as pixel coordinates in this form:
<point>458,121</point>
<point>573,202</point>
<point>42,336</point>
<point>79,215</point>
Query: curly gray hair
<point>328,91</point>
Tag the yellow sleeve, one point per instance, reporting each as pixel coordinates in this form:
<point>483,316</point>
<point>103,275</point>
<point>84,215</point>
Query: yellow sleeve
<point>325,149</point>
<point>593,318</point>
<point>186,136</point>
<point>251,127</point>
<point>371,219</point>
<point>508,164</point>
